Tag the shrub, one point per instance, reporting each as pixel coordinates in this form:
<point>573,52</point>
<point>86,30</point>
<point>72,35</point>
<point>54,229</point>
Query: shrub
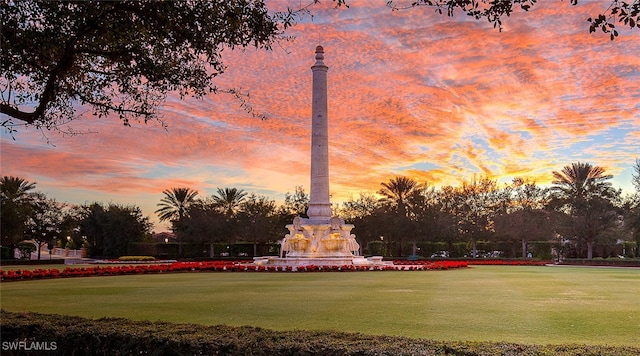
<point>79,336</point>
<point>26,248</point>
<point>136,258</point>
<point>619,262</point>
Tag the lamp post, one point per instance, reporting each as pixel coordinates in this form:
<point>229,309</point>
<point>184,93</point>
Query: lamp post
<point>50,246</point>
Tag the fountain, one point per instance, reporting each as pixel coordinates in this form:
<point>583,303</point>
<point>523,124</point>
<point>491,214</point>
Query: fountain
<point>321,239</point>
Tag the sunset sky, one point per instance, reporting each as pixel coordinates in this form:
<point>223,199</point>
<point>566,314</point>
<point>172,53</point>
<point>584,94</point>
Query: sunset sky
<point>411,93</point>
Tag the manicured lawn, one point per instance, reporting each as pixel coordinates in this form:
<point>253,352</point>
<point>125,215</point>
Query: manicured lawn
<point>536,305</point>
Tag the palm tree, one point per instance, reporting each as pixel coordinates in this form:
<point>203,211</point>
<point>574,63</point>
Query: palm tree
<point>583,190</point>
<point>175,205</point>
<point>581,181</point>
<point>397,192</point>
<point>15,189</point>
<point>229,200</point>
<point>15,208</point>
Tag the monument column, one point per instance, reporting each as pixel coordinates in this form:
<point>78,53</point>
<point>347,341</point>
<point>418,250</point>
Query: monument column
<point>319,203</point>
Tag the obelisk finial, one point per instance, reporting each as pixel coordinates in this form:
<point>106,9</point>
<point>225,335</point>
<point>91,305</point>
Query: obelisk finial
<point>319,54</point>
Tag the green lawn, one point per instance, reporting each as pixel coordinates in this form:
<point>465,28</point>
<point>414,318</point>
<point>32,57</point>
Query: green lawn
<point>535,305</point>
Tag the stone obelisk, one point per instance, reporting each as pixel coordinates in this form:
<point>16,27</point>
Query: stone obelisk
<point>319,204</point>
<point>321,239</point>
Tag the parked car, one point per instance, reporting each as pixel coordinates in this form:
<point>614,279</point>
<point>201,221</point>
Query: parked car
<point>485,254</point>
<point>476,254</point>
<point>440,254</point>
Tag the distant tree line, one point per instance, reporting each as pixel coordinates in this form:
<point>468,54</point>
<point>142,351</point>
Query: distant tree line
<point>104,229</point>
<point>579,216</point>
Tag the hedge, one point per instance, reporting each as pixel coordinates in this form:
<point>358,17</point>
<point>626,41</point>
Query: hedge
<point>136,258</point>
<point>18,262</point>
<point>67,335</point>
<point>613,262</point>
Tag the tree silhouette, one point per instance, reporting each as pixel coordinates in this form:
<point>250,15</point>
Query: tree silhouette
<point>583,191</point>
<point>109,228</point>
<point>15,208</point>
<point>175,205</point>
<point>258,220</point>
<point>581,181</point>
<point>295,204</point>
<point>625,13</point>
<point>124,57</point>
<point>229,200</point>
<point>632,215</point>
<point>476,203</point>
<point>397,193</point>
<point>398,196</point>
<point>46,220</point>
<point>15,189</point>
<point>119,57</point>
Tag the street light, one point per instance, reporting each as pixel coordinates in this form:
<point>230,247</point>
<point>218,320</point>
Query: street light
<point>50,246</point>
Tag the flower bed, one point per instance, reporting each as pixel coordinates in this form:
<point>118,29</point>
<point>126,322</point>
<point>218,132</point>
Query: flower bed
<point>471,262</point>
<point>129,262</point>
<point>246,266</point>
<point>213,266</point>
<point>429,265</point>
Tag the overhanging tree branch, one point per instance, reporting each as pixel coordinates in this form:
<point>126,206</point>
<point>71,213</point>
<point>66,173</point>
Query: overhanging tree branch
<point>494,11</point>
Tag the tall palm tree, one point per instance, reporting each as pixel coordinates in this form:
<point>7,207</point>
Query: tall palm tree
<point>15,189</point>
<point>584,191</point>
<point>397,192</point>
<point>175,205</point>
<point>229,200</point>
<point>15,208</point>
<point>581,181</point>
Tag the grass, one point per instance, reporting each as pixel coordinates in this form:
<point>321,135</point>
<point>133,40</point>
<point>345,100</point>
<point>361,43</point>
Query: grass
<point>534,305</point>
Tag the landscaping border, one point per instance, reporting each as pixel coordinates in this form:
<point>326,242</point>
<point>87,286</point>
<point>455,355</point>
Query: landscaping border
<point>213,266</point>
<point>67,335</point>
<point>602,262</point>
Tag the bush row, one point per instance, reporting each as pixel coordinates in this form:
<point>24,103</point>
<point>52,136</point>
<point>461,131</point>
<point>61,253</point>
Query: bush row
<point>66,335</point>
<point>18,262</point>
<point>614,262</point>
<point>136,258</point>
<point>211,266</point>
